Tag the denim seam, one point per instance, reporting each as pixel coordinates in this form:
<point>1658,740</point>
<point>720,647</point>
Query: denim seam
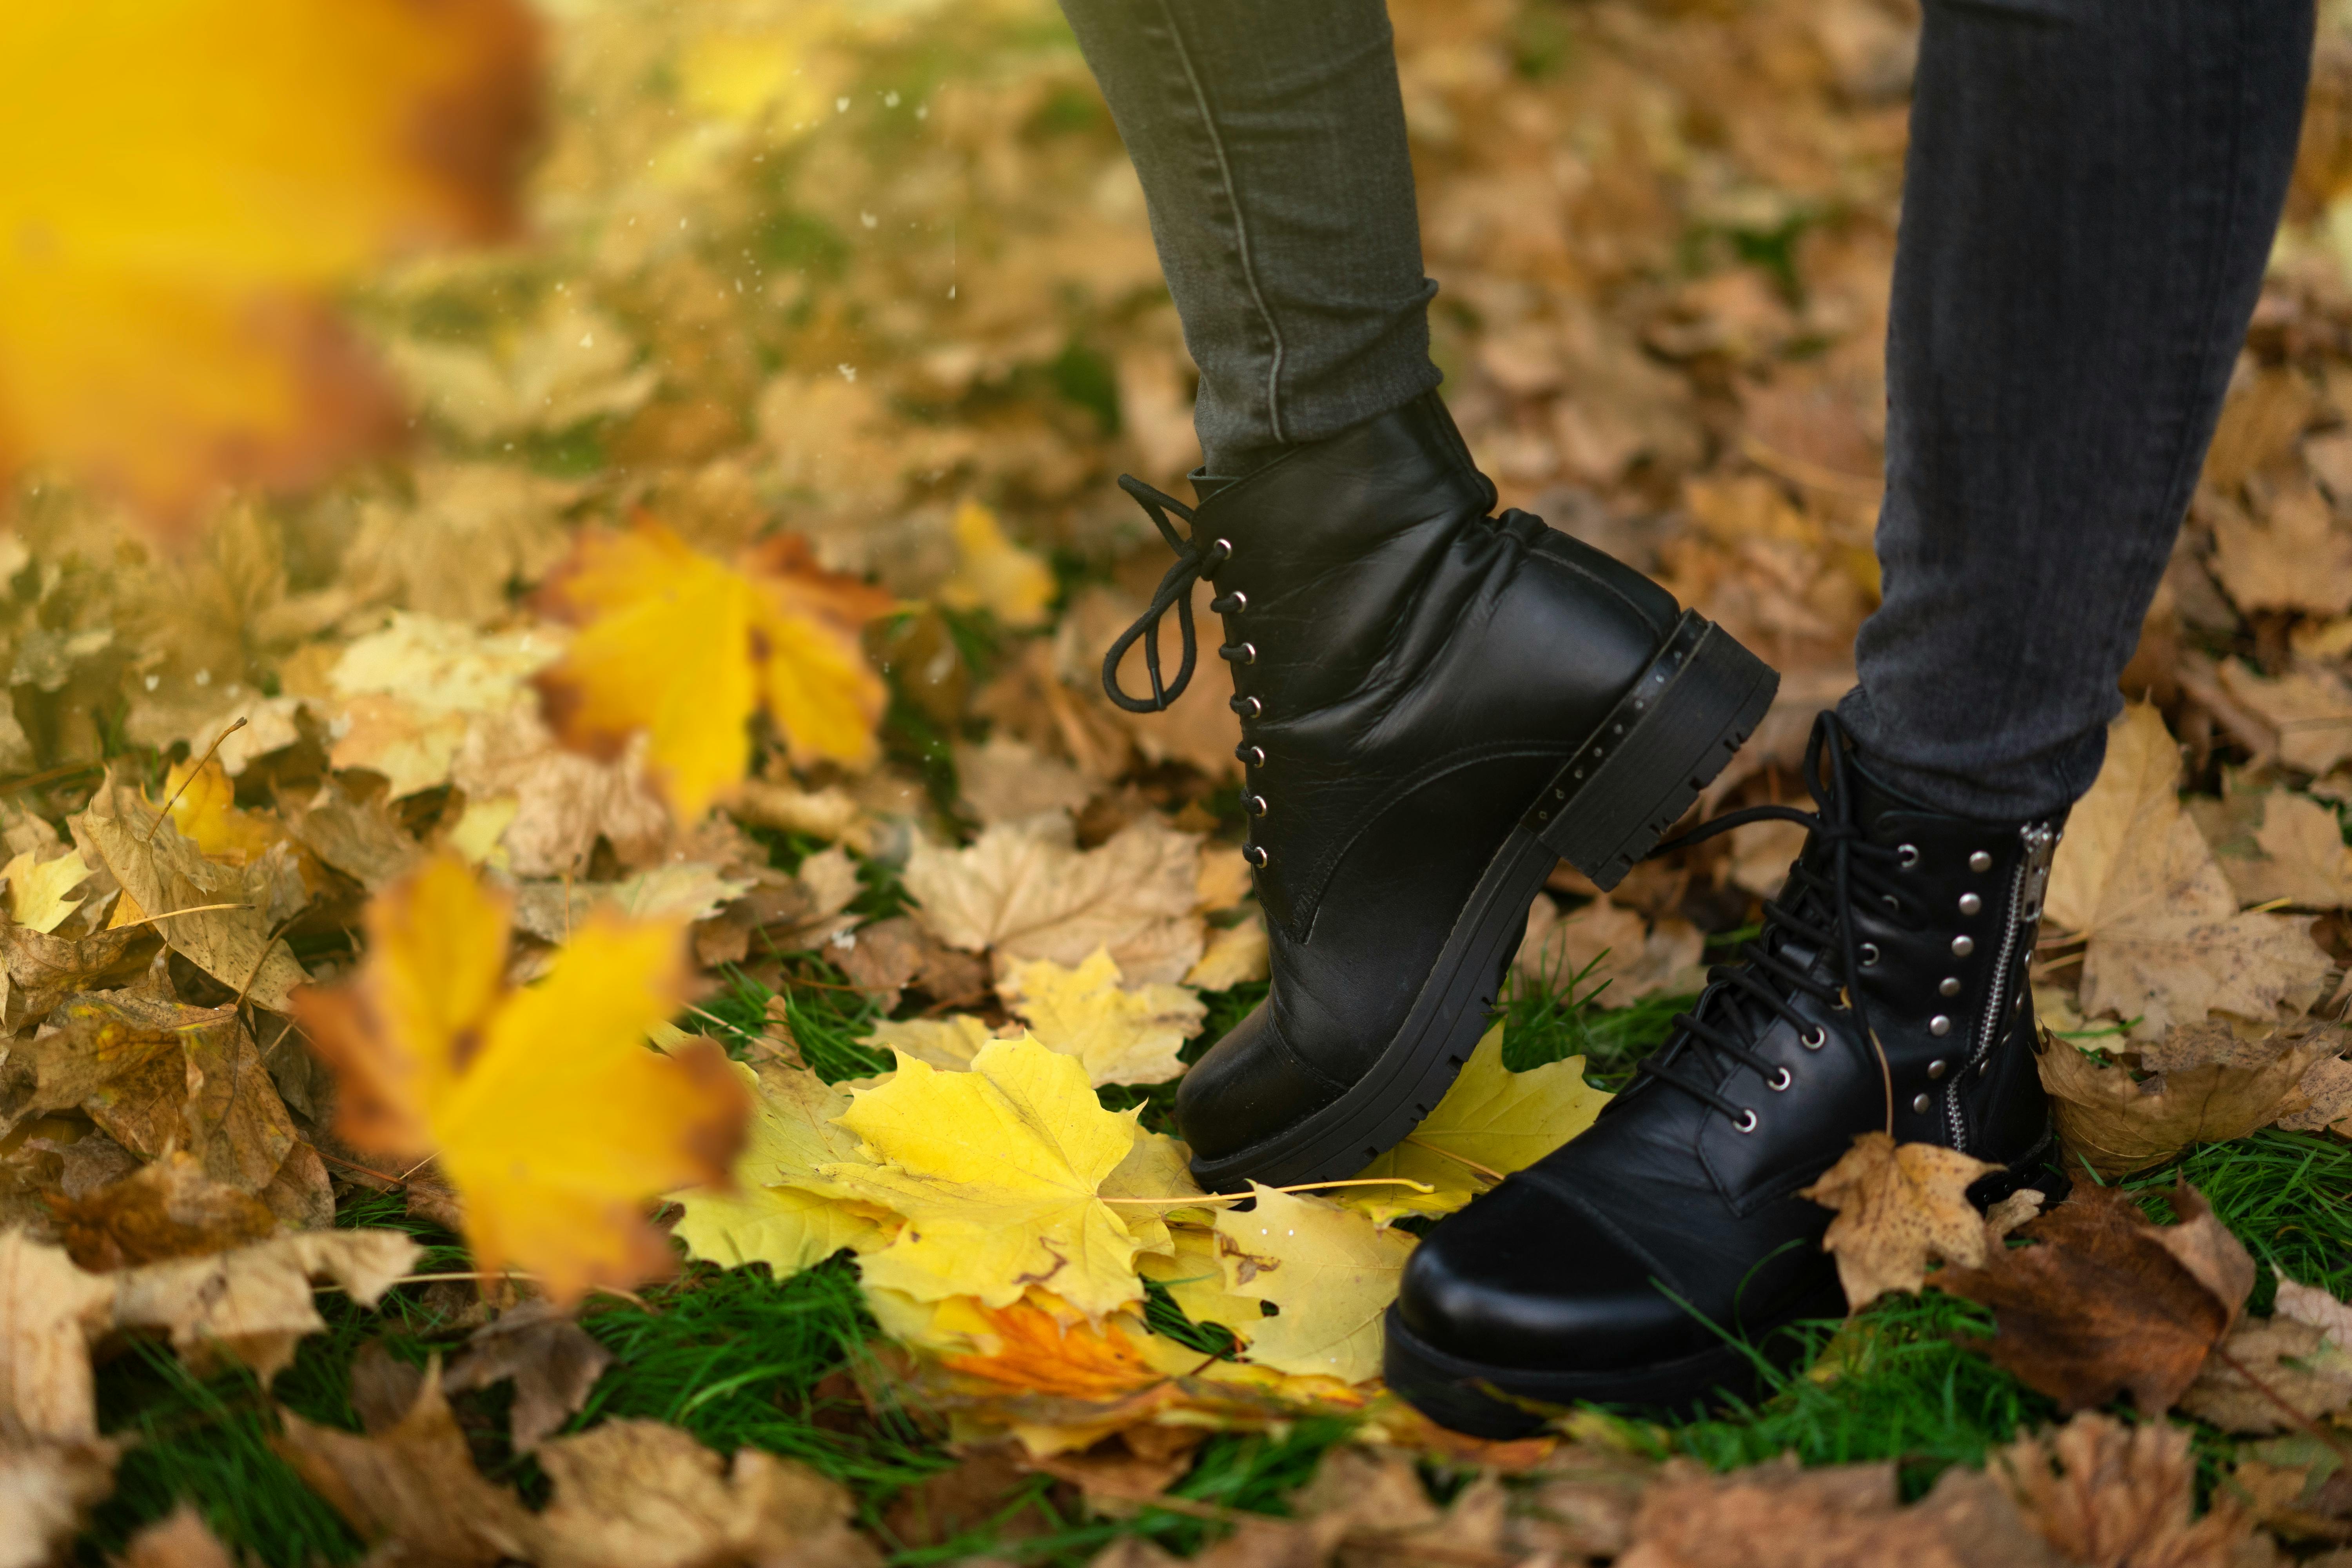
<point>1241,223</point>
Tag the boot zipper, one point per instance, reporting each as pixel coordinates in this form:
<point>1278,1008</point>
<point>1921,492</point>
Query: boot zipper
<point>2025,889</point>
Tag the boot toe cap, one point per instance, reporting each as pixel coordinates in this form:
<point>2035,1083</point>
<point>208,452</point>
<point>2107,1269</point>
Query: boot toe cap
<point>1249,1087</point>
<point>1522,1279</point>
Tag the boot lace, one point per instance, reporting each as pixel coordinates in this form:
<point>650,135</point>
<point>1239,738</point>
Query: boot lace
<point>1815,911</point>
<point>1195,558</point>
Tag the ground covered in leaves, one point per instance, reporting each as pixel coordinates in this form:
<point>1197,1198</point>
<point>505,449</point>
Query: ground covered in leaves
<point>715,667</point>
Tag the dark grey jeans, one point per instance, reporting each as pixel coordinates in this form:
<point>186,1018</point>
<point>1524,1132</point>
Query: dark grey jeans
<point>2091,193</point>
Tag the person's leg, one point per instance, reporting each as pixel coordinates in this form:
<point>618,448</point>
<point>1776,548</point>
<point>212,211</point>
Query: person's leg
<point>2092,190</point>
<point>1270,141</point>
<point>1437,706</point>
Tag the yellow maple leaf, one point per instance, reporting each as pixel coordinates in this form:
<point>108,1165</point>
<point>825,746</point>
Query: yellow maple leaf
<point>192,179</point>
<point>780,1211</point>
<point>1491,1120</point>
<point>548,1112</point>
<point>37,888</point>
<point>1330,1273</point>
<point>998,1173</point>
<point>687,648</point>
<point>1193,1275</point>
<point>1120,1036</point>
<point>202,803</point>
<point>993,574</point>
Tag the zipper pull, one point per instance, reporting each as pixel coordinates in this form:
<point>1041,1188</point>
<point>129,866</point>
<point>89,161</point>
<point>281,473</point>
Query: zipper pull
<point>2041,840</point>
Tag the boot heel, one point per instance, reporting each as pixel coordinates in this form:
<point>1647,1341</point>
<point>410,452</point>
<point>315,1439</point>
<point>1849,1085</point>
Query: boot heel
<point>1669,735</point>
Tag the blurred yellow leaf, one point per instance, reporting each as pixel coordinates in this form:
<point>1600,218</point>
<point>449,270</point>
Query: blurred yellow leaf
<point>687,647</point>
<point>548,1112</point>
<point>993,574</point>
<point>189,179</point>
<point>202,803</point>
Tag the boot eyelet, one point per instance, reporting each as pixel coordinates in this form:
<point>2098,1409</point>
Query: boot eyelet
<point>1255,854</point>
<point>1781,1082</point>
<point>1256,805</point>
<point>1980,861</point>
<point>1919,1102</point>
<point>1963,945</point>
<point>1869,953</point>
<point>1747,1122</point>
<point>1250,708</point>
<point>1220,551</point>
<point>1891,901</point>
<point>1814,1038</point>
<point>1253,755</point>
<point>1970,903</point>
<point>1244,653</point>
<point>1240,601</point>
<point>1939,1025</point>
<point>1907,855</point>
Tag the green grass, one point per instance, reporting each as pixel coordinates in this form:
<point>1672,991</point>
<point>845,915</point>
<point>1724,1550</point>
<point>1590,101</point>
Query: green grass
<point>741,1359</point>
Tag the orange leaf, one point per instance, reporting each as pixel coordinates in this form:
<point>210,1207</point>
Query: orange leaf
<point>1040,1353</point>
<point>688,649</point>
<point>548,1113</point>
<point>191,179</point>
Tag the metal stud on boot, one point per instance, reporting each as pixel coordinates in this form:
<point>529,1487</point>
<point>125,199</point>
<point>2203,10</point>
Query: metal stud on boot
<point>1437,705</point>
<point>1611,1270</point>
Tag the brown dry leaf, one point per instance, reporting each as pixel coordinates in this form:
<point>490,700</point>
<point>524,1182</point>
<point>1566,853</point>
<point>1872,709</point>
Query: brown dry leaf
<point>2121,1126</point>
<point>255,1302</point>
<point>2309,1304</point>
<point>1616,945</point>
<point>949,1502</point>
<point>43,970</point>
<point>2105,1302</point>
<point>2166,944</point>
<point>2111,1496</point>
<point>637,1494</point>
<point>181,1539</point>
<point>355,834</point>
<point>47,1489</point>
<point>888,956</point>
<point>2294,559</point>
<point>2328,1087</point>
<point>1133,1466</point>
<point>2292,850</point>
<point>1778,1516</point>
<point>544,808</point>
<point>1005,780</point>
<point>48,1312</point>
<point>1897,1206</point>
<point>2308,710</point>
<point>155,1075</point>
<point>414,1485</point>
<point>1199,728</point>
<point>162,872</point>
<point>1029,892</point>
<point>475,528</point>
<point>2279,1375</point>
<point>551,1358</point>
<point>169,1209</point>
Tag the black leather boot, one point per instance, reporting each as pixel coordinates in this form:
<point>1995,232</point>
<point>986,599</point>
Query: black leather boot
<point>1615,1269</point>
<point>1437,705</point>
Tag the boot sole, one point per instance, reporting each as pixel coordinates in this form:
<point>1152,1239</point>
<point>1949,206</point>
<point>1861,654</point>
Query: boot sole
<point>1492,1401</point>
<point>1629,781</point>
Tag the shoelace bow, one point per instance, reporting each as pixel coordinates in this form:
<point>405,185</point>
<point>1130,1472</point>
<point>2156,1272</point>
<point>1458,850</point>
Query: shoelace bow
<point>1194,560</point>
<point>1760,983</point>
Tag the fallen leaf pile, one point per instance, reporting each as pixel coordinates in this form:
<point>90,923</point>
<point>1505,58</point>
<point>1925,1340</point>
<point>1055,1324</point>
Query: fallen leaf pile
<point>655,823</point>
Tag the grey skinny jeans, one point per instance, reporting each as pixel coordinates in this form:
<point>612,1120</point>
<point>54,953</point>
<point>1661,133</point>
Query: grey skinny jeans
<point>2091,193</point>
